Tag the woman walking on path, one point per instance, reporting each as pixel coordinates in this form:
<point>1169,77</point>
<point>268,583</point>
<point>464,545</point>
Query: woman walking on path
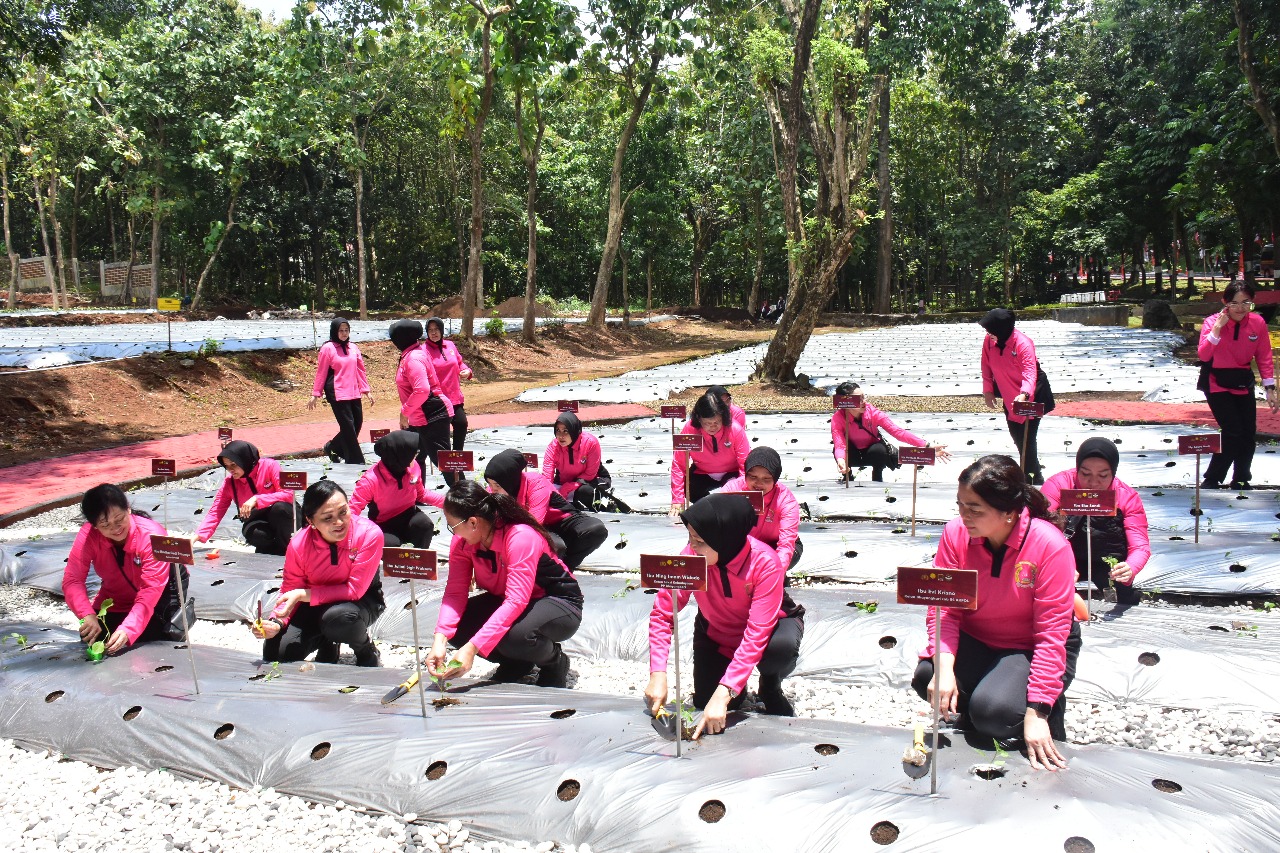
<point>1230,342</point>
<point>451,370</point>
<point>341,379</point>
<point>1011,372</point>
<point>424,408</point>
<point>266,510</point>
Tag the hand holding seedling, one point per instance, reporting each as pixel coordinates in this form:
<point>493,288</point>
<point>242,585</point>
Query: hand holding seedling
<point>1120,570</point>
<point>1041,750</point>
<point>93,626</point>
<point>714,714</point>
<point>439,665</point>
<point>118,642</point>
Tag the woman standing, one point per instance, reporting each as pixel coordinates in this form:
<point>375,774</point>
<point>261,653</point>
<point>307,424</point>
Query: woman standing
<point>389,493</point>
<point>778,525</point>
<point>116,541</point>
<point>581,532</point>
<point>331,592</point>
<point>528,604</point>
<point>1010,371</point>
<point>572,462</point>
<point>266,510</point>
<point>865,445</point>
<point>424,409</point>
<point>745,619</point>
<point>341,379</point>
<point>724,451</point>
<point>1230,342</point>
<point>1006,666</point>
<point>1122,537</point>
<point>451,369</point>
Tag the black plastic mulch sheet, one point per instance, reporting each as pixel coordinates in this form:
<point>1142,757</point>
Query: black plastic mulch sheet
<point>521,762</point>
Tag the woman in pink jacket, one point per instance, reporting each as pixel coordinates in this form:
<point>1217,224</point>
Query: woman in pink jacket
<point>572,462</point>
<point>581,532</point>
<point>745,619</point>
<point>1006,666</point>
<point>267,511</point>
<point>1230,342</point>
<point>1011,372</point>
<point>341,379</point>
<point>424,408</point>
<point>115,541</point>
<point>451,369</point>
<point>528,604</point>
<point>331,592</point>
<point>1122,537</point>
<point>865,445</point>
<point>724,451</point>
<point>389,493</point>
<point>778,526</point>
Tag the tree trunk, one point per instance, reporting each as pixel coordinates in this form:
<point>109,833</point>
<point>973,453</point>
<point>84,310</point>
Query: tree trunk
<point>757,215</point>
<point>648,284</point>
<point>204,273</point>
<point>613,235</point>
<point>126,295</point>
<point>530,151</point>
<point>1261,102</point>
<point>472,293</point>
<point>14,268</point>
<point>360,266</point>
<point>626,296</point>
<point>884,259</point>
<point>699,237</point>
<point>44,237</point>
<point>75,217</point>
<point>155,248</point>
<point>60,258</point>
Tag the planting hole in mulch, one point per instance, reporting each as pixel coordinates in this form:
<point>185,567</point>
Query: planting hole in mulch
<point>1167,465</point>
<point>258,677</point>
<point>1237,568</point>
<point>1219,628</point>
<point>823,497</point>
<point>181,646</point>
<point>1176,538</point>
<point>712,811</point>
<point>55,696</point>
<point>620,545</point>
<point>350,688</point>
<point>164,668</point>
<point>989,772</point>
<point>223,731</point>
<point>320,751</point>
<point>888,642</point>
<point>850,554</point>
<point>404,580</point>
<point>568,790</point>
<point>132,713</point>
<point>1164,786</point>
<point>650,592</point>
<point>884,833</point>
<point>826,749</point>
<point>218,582</point>
<point>408,605</point>
<point>1077,844</point>
<point>436,770</point>
<point>1148,658</point>
<point>891,500</point>
<point>445,702</point>
<point>563,714</point>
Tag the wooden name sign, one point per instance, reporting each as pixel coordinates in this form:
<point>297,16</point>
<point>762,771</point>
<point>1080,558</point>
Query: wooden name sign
<point>413,563</point>
<point>293,480</point>
<point>567,406</point>
<point>917,455</point>
<point>172,549</point>
<point>164,467</point>
<point>375,434</point>
<point>756,498</point>
<point>531,459</point>
<point>938,587</point>
<point>686,441</point>
<point>1028,409</point>
<point>846,401</point>
<point>224,434</point>
<point>1087,502</point>
<point>659,571</point>
<point>455,461</point>
<point>677,412</point>
<point>1209,443</point>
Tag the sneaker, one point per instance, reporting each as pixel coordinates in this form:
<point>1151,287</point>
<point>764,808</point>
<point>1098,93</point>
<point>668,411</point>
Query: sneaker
<point>328,451</point>
<point>555,673</point>
<point>328,652</point>
<point>775,701</point>
<point>367,655</point>
<point>1211,484</point>
<point>511,673</point>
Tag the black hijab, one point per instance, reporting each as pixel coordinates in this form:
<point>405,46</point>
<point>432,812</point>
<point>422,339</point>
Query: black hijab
<point>242,453</point>
<point>397,451</point>
<point>436,321</point>
<point>334,326</point>
<point>572,424</point>
<point>999,322</point>
<point>405,333</point>
<point>766,458</point>
<point>507,470</point>
<point>1099,448</point>
<point>723,522</point>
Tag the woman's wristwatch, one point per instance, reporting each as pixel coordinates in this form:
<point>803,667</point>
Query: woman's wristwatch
<point>1044,709</point>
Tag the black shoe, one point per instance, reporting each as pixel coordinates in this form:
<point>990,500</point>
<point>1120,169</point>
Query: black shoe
<point>328,652</point>
<point>556,672</point>
<point>328,451</point>
<point>367,655</point>
<point>775,701</point>
<point>1211,484</point>
<point>1242,486</point>
<point>877,476</point>
<point>511,673</point>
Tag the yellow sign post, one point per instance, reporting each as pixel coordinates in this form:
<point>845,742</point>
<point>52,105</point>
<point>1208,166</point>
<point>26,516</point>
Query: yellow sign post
<point>168,306</point>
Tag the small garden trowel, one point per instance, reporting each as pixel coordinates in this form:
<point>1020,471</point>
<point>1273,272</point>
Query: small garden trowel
<point>665,723</point>
<point>400,689</point>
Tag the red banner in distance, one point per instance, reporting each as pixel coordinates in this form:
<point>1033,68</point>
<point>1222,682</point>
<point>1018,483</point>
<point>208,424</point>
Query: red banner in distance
<point>1087,502</point>
<point>677,412</point>
<point>172,549</point>
<point>938,587</point>
<point>756,498</point>
<point>164,467</point>
<point>917,455</point>
<point>682,571</point>
<point>413,563</point>
<point>686,441</point>
<point>1028,409</point>
<point>1208,443</point>
<point>567,406</point>
<point>846,401</point>
<point>455,461</point>
<point>293,480</point>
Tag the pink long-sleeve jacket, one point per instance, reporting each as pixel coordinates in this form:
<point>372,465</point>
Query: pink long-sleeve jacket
<point>1027,606</point>
<point>349,378</point>
<point>722,453</point>
<point>1127,502</point>
<point>738,415</point>
<point>333,573</point>
<point>135,587</point>
<point>581,462</point>
<point>512,574</point>
<point>779,525</point>
<point>378,488</point>
<point>866,433</point>
<point>448,365</point>
<point>263,482</point>
<point>535,495</point>
<point>1014,370</point>
<point>740,625</point>
<point>1239,345</point>
<point>416,381</point>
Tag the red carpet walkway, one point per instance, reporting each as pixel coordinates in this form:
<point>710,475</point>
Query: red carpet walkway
<point>1192,414</point>
<point>37,484</point>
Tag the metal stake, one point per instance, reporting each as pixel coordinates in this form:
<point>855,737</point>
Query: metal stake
<point>1197,507</point>
<point>675,641</point>
<point>915,478</point>
<point>937,698</point>
<point>1088,548</point>
<point>176,568</point>
<point>417,649</point>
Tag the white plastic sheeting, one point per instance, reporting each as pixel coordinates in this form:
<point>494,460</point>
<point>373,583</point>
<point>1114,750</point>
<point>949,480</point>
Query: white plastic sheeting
<point>581,768</point>
<point>924,361</point>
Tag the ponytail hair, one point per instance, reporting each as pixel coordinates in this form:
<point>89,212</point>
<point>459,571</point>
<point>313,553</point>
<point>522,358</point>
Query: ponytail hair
<point>999,481</point>
<point>467,498</point>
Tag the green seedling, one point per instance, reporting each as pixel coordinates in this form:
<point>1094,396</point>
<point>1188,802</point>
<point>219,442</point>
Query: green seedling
<point>98,650</point>
<point>1111,562</point>
<point>629,586</point>
<point>20,639</point>
<point>1266,606</point>
<point>274,672</point>
<point>867,606</point>
<point>442,681</point>
<point>1001,755</point>
<point>1157,494</point>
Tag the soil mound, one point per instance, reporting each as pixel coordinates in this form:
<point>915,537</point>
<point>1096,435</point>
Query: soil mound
<point>513,307</point>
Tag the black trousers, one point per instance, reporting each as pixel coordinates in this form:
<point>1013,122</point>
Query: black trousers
<point>1032,428</point>
<point>701,485</point>
<point>582,535</point>
<point>412,526</point>
<point>877,455</point>
<point>341,622</point>
<point>1100,573</point>
<point>459,428</point>
<point>709,665</point>
<point>993,686</point>
<point>1237,417</point>
<point>532,638</point>
<point>433,437</point>
<point>350,417</point>
<point>584,496</point>
<point>269,530</point>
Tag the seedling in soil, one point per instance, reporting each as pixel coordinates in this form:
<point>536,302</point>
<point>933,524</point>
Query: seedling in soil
<point>630,586</point>
<point>274,672</point>
<point>867,606</point>
<point>1266,606</point>
<point>442,682</point>
<point>98,650</point>
<point>20,639</point>
<point>1111,562</point>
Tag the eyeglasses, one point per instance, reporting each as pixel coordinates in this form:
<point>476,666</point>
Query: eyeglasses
<point>453,527</point>
<point>1238,304</point>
